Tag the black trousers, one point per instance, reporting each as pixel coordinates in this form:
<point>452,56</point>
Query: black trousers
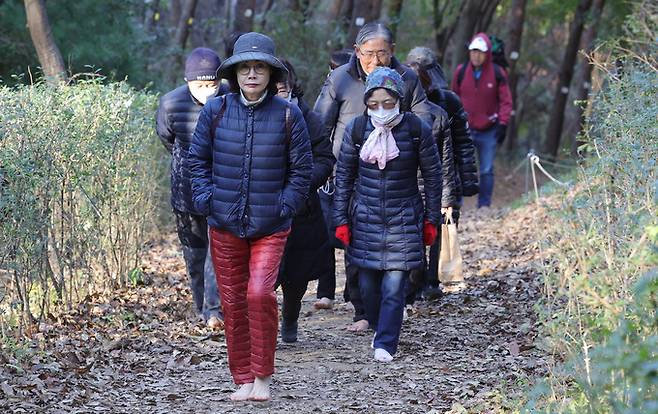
<point>327,281</point>
<point>428,275</point>
<point>293,293</point>
<point>352,292</point>
<point>192,230</point>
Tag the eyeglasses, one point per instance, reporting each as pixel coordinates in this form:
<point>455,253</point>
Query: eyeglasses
<point>259,67</point>
<point>369,54</point>
<point>385,104</point>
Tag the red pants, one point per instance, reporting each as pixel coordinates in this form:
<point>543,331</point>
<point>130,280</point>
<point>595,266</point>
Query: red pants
<point>246,271</point>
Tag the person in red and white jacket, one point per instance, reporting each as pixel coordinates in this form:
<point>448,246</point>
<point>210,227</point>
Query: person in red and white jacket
<point>483,88</point>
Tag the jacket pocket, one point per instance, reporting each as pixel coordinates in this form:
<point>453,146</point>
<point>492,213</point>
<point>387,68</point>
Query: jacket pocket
<point>279,207</point>
<point>413,215</point>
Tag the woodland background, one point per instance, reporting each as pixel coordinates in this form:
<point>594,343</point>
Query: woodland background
<point>145,41</point>
<point>568,274</point>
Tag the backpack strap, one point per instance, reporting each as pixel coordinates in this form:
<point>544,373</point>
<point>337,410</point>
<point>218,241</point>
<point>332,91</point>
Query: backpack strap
<point>217,119</point>
<point>498,73</point>
<point>460,74</point>
<point>358,130</point>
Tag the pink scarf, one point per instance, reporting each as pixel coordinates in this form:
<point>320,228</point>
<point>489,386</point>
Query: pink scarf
<point>380,146</point>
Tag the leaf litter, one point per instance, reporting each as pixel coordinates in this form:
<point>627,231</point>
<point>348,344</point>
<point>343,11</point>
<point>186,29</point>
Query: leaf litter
<point>142,349</point>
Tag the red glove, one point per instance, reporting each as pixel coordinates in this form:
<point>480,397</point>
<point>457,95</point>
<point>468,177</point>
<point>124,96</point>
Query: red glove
<point>343,234</point>
<point>429,233</point>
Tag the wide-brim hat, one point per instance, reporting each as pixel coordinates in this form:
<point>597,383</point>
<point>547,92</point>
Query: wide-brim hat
<point>253,46</point>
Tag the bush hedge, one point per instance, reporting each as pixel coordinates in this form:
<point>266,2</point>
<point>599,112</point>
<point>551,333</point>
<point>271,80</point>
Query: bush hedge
<point>80,170</point>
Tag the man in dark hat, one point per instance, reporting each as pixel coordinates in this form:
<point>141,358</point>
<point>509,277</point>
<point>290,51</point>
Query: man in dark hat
<point>175,122</point>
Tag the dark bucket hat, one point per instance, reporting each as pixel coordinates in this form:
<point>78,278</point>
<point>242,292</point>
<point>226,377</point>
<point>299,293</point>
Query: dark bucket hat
<point>253,46</point>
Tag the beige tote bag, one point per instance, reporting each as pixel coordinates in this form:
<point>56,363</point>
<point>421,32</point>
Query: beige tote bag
<point>450,258</point>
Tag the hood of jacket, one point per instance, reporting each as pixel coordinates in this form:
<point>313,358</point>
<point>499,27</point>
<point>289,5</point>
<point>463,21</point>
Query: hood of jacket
<point>489,58</point>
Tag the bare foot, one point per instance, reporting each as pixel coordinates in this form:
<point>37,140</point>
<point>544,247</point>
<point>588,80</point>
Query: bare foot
<point>261,390</point>
<point>215,323</point>
<point>453,287</point>
<point>243,392</point>
<point>323,303</point>
<point>358,326</point>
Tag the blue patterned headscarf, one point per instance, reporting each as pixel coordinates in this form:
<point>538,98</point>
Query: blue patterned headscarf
<point>387,78</point>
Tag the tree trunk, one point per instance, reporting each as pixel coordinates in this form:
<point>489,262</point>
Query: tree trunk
<point>375,11</point>
<point>514,47</point>
<point>394,10</point>
<point>363,12</point>
<point>300,6</point>
<point>554,130</point>
<point>582,95</point>
<point>175,12</point>
<point>487,12</point>
<point>186,20</point>
<point>465,30</point>
<point>149,15</point>
<point>442,35</point>
<point>41,33</point>
<point>243,15</point>
<point>334,10</point>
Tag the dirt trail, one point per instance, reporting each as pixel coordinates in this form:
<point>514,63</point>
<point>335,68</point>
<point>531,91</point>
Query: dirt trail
<point>139,350</point>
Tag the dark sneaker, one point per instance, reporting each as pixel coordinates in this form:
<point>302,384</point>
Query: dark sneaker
<point>432,293</point>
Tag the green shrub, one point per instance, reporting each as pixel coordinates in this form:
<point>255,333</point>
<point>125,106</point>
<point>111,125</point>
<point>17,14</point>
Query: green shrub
<point>603,242</point>
<point>79,174</point>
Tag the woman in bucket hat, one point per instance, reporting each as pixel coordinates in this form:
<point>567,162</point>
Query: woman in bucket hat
<point>378,209</point>
<point>251,167</point>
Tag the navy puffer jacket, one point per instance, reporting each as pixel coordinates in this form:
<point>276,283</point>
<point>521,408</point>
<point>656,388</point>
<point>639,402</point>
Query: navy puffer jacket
<point>384,208</point>
<point>252,178</point>
<point>463,147</point>
<point>174,123</point>
<point>442,135</point>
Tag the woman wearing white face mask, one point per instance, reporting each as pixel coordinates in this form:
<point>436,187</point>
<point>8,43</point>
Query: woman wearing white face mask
<point>378,209</point>
<point>175,122</point>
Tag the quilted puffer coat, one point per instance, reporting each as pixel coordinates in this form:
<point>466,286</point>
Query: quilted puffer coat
<point>384,208</point>
<point>462,143</point>
<point>252,174</point>
<point>175,120</point>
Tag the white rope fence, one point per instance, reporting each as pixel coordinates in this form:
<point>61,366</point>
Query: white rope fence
<point>533,162</point>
